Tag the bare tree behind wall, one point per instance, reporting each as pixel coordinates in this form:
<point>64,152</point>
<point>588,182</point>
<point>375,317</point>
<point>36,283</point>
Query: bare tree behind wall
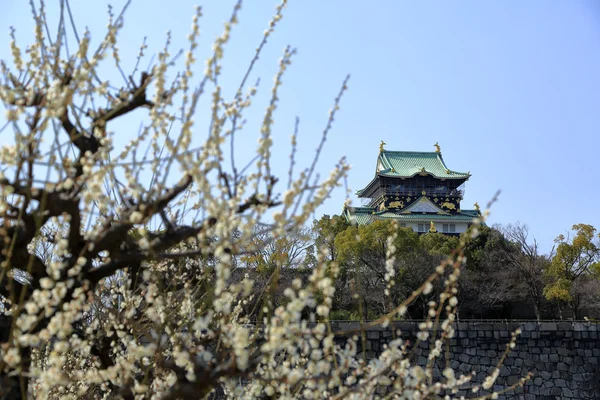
<point>118,286</point>
<point>529,263</point>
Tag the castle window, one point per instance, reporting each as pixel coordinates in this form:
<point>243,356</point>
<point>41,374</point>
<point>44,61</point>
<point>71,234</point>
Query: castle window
<point>449,228</point>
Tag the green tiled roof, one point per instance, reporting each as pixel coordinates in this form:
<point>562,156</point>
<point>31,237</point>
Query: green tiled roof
<point>366,215</point>
<point>406,164</point>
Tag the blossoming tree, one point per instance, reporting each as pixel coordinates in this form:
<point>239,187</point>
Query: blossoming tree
<point>117,286</point>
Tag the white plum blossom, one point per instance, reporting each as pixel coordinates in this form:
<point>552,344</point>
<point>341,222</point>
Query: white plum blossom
<point>122,260</point>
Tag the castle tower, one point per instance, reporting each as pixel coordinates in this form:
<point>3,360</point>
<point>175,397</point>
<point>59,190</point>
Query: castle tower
<point>418,190</point>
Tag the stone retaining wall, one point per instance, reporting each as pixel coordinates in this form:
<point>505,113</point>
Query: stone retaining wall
<point>563,356</point>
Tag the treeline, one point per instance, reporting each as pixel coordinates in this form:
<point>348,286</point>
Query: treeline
<point>505,275</point>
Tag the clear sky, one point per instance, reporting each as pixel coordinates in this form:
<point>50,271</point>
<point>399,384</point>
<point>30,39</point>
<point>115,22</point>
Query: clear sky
<point>510,90</point>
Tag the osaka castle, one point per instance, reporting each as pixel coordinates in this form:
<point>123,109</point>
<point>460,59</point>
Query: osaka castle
<point>417,190</point>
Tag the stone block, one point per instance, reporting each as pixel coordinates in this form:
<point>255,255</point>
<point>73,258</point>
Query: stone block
<point>463,358</point>
<point>579,326</point>
<point>573,369</point>
<point>563,352</point>
<point>540,366</point>
<point>464,368</point>
<point>548,326</point>
<point>530,326</point>
<point>545,375</point>
<point>562,366</point>
<point>557,374</point>
<point>372,334</point>
<point>518,362</point>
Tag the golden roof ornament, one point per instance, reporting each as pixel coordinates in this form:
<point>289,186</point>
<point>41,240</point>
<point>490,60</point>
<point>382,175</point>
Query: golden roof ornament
<point>476,206</point>
<point>432,227</point>
<point>381,146</point>
<point>437,147</point>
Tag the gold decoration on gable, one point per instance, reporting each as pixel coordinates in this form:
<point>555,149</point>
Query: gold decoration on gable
<point>396,204</point>
<point>449,206</point>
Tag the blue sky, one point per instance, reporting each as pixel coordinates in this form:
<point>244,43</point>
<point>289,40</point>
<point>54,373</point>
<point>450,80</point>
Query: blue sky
<point>510,90</point>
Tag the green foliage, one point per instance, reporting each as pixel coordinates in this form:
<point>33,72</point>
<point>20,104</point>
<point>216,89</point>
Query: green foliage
<point>503,269</point>
<point>574,258</point>
<point>475,248</point>
<point>325,230</point>
<point>367,243</point>
<point>439,244</point>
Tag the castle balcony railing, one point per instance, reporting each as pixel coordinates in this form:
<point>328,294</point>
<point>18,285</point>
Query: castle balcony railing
<point>397,190</point>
